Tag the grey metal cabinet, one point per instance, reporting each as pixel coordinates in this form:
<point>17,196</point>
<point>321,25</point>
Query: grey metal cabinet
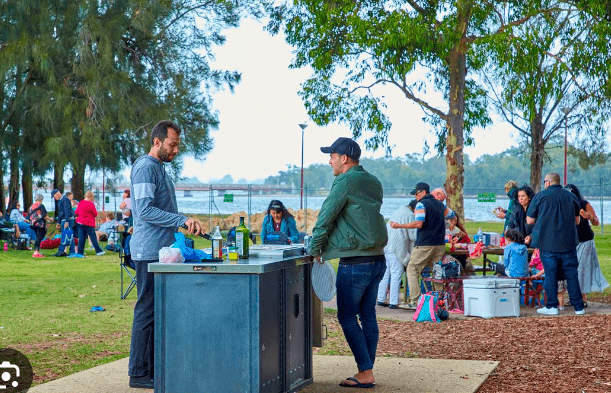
<point>233,327</point>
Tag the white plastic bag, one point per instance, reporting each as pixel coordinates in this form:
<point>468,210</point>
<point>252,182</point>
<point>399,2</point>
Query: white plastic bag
<point>170,255</point>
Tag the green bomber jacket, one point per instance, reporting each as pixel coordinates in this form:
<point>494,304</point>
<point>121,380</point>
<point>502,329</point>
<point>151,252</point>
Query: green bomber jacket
<point>349,223</point>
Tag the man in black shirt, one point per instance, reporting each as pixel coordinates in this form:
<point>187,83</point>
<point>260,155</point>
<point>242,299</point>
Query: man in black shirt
<point>555,215</point>
<point>430,215</point>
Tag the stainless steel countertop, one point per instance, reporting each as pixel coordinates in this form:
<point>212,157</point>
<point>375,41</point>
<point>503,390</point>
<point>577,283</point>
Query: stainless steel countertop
<point>262,259</point>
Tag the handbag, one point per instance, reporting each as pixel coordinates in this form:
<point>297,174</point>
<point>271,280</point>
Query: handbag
<point>451,269</point>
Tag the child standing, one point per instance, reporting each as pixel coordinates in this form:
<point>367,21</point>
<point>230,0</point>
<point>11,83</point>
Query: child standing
<point>515,256</point>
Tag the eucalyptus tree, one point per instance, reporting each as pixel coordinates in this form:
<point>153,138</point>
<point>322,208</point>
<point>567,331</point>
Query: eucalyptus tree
<point>415,46</point>
<point>550,75</point>
<point>109,70</point>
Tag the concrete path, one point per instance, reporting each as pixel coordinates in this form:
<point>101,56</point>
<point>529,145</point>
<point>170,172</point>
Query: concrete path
<point>392,375</point>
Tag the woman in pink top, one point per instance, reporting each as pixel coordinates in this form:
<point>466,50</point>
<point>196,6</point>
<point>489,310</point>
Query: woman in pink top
<point>85,223</point>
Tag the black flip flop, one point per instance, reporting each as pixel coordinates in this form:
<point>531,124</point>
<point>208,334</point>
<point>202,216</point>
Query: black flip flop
<point>358,384</point>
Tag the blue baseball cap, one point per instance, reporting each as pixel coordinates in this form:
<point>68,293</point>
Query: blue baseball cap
<point>345,146</point>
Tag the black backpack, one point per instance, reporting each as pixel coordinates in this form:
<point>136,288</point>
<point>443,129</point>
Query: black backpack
<point>36,219</point>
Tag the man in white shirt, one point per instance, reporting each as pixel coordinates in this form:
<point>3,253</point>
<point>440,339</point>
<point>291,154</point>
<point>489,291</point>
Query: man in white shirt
<point>397,252</point>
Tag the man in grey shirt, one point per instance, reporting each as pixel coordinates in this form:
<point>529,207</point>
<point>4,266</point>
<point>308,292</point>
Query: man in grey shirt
<point>156,219</point>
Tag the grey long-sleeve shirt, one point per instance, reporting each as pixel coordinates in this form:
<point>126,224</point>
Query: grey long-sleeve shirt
<point>154,209</point>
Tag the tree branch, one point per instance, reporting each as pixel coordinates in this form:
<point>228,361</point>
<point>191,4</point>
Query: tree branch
<point>179,16</point>
<point>15,101</point>
<point>415,6</point>
<point>496,101</point>
<point>423,104</point>
<point>521,21</point>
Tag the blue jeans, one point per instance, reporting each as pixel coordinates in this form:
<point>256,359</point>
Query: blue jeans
<point>357,288</point>
<point>142,351</point>
<point>62,247</point>
<point>83,232</point>
<point>25,228</point>
<point>567,262</point>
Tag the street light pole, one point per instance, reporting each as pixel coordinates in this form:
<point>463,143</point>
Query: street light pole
<point>566,114</point>
<point>303,127</point>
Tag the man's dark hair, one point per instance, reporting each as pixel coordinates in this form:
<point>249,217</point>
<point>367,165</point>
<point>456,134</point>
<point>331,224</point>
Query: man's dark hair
<point>161,130</point>
<point>67,194</point>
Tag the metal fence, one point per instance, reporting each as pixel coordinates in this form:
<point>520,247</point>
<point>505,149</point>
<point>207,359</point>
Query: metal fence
<point>221,199</point>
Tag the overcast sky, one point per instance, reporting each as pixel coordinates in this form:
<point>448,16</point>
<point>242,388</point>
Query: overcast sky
<point>259,132</point>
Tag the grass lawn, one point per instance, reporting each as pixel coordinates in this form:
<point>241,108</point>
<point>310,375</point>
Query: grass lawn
<point>45,305</point>
<point>44,311</point>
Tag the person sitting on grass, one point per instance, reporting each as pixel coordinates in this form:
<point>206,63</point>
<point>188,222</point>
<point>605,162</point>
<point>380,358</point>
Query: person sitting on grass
<point>515,256</point>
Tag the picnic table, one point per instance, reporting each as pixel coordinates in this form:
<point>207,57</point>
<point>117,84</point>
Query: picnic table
<point>485,252</point>
<point>453,285</point>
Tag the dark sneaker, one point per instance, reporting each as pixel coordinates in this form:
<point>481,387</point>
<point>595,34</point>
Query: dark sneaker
<point>62,254</point>
<point>144,382</point>
<point>393,306</point>
<point>382,304</point>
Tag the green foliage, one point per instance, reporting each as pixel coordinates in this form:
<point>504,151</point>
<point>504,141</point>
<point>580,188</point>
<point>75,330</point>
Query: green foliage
<point>45,310</point>
<point>83,82</point>
<point>486,174</point>
<point>546,75</point>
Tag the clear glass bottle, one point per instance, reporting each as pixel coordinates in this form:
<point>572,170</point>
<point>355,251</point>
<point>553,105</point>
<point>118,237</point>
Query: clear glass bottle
<point>480,236</point>
<point>242,235</point>
<point>217,242</point>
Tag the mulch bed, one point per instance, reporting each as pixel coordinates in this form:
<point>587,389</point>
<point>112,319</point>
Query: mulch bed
<point>546,354</point>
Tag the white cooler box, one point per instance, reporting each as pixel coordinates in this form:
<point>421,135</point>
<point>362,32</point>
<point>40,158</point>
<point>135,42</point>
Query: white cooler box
<point>491,297</point>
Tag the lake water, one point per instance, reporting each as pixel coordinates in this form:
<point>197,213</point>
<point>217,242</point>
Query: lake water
<point>201,202</point>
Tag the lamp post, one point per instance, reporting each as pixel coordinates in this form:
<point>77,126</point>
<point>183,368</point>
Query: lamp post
<point>566,114</point>
<point>303,127</point>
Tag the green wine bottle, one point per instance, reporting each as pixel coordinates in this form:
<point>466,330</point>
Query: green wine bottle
<point>242,238</point>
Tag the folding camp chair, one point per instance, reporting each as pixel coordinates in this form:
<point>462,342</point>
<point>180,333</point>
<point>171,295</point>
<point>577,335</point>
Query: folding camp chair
<point>126,263</point>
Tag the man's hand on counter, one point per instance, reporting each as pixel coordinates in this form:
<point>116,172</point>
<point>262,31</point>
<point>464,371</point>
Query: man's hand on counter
<point>193,226</point>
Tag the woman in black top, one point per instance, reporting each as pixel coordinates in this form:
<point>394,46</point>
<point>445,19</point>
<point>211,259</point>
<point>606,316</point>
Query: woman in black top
<point>590,276</point>
<point>517,220</point>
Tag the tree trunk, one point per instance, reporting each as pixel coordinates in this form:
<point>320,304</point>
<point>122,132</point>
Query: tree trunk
<point>58,177</point>
<point>14,183</point>
<point>2,207</point>
<point>26,185</point>
<point>455,171</point>
<point>78,181</point>
<point>537,152</point>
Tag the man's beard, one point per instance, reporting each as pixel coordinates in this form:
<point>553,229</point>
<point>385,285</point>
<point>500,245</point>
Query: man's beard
<point>164,155</point>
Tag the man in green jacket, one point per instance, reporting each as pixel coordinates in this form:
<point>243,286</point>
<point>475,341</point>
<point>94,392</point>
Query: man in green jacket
<point>351,228</point>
